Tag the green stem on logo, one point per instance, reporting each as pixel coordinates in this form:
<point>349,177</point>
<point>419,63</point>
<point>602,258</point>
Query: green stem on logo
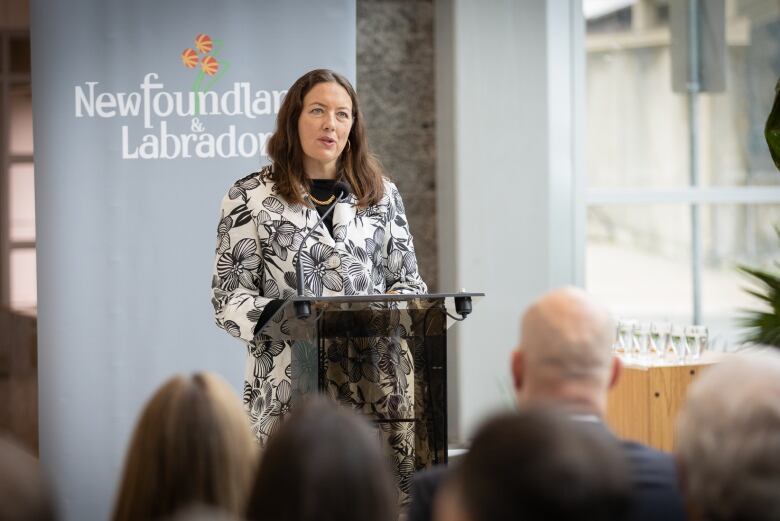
<point>196,89</point>
<point>198,85</point>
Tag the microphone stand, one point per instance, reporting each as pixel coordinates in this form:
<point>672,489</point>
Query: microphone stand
<point>303,307</point>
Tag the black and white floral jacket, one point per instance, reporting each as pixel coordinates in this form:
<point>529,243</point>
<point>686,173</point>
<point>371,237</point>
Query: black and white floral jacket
<point>370,252</point>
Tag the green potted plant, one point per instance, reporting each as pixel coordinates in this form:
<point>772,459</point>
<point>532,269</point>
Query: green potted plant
<point>763,326</point>
<point>772,128</point>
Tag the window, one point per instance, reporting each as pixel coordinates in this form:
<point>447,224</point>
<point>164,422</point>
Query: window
<point>663,243</point>
<point>17,211</point>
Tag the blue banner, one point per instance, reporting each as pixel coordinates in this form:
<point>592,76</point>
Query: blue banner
<point>144,113</point>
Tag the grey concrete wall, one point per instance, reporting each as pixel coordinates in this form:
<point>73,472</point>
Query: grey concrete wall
<point>395,80</point>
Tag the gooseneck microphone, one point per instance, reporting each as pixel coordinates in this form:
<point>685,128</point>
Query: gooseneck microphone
<point>303,307</point>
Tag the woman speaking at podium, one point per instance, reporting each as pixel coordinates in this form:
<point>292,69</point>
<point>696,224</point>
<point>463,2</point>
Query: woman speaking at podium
<point>318,152</point>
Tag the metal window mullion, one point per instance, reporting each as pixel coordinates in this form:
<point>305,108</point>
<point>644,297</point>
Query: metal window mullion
<point>687,195</point>
<point>694,87</point>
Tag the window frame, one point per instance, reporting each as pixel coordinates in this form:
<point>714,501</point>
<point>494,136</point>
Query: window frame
<point>694,195</point>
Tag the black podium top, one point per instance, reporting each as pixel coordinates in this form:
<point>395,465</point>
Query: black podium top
<point>369,315</point>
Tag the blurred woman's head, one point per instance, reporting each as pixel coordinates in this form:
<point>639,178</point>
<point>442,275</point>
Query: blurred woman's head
<point>324,464</point>
<point>192,444</point>
<point>320,124</point>
<point>25,495</point>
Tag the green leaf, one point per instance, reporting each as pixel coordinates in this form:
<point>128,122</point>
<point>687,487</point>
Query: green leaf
<point>762,327</point>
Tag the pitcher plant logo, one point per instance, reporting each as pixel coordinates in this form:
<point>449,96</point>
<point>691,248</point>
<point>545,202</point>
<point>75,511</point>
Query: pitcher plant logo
<point>209,65</point>
<point>194,109</point>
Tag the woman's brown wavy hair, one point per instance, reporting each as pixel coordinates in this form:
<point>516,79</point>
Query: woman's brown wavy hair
<point>358,165</point>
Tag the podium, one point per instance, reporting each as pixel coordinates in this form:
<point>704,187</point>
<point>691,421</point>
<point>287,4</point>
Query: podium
<point>322,330</point>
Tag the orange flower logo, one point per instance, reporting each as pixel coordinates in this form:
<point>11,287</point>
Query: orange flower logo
<point>210,65</point>
<point>205,52</point>
<point>189,58</point>
<point>203,43</point>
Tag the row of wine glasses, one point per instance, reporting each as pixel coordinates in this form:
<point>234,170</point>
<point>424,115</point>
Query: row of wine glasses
<point>659,342</point>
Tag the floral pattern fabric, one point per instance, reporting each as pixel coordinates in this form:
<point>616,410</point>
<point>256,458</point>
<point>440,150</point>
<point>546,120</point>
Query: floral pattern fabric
<point>370,251</point>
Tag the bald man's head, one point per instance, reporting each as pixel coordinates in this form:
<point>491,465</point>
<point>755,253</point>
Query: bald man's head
<point>565,349</point>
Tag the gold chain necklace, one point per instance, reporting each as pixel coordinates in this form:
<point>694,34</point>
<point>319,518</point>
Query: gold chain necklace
<point>325,202</point>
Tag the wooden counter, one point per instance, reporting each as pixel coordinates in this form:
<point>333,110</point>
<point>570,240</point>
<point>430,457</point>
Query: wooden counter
<point>644,404</point>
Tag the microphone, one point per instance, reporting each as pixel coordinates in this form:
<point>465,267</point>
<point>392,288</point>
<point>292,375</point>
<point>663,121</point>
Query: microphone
<point>303,308</point>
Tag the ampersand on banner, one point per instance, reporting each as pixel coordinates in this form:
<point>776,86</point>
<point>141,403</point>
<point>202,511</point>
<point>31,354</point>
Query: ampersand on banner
<point>197,126</point>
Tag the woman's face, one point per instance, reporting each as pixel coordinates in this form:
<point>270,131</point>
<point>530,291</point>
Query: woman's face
<point>323,127</point>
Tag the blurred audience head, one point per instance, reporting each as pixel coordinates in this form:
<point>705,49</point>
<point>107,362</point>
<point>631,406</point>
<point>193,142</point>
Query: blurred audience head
<point>24,494</point>
<point>192,444</point>
<point>200,512</point>
<point>537,465</point>
<point>565,352</point>
<point>325,463</point>
<point>728,439</point>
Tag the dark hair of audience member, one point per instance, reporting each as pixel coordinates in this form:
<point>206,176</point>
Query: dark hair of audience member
<point>199,512</point>
<point>192,444</point>
<point>24,493</point>
<point>541,465</point>
<point>325,463</point>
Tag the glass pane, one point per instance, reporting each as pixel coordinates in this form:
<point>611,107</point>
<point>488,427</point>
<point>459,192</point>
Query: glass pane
<point>734,149</point>
<point>22,202</point>
<point>331,347</point>
<point>734,235</point>
<point>21,120</point>
<point>20,54</point>
<point>636,126</point>
<point>638,261</point>
<point>23,281</point>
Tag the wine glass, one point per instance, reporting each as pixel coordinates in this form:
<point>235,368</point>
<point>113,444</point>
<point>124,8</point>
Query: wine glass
<point>659,339</point>
<point>617,349</point>
<point>640,337</point>
<point>698,340</point>
<point>677,348</point>
<point>625,330</point>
